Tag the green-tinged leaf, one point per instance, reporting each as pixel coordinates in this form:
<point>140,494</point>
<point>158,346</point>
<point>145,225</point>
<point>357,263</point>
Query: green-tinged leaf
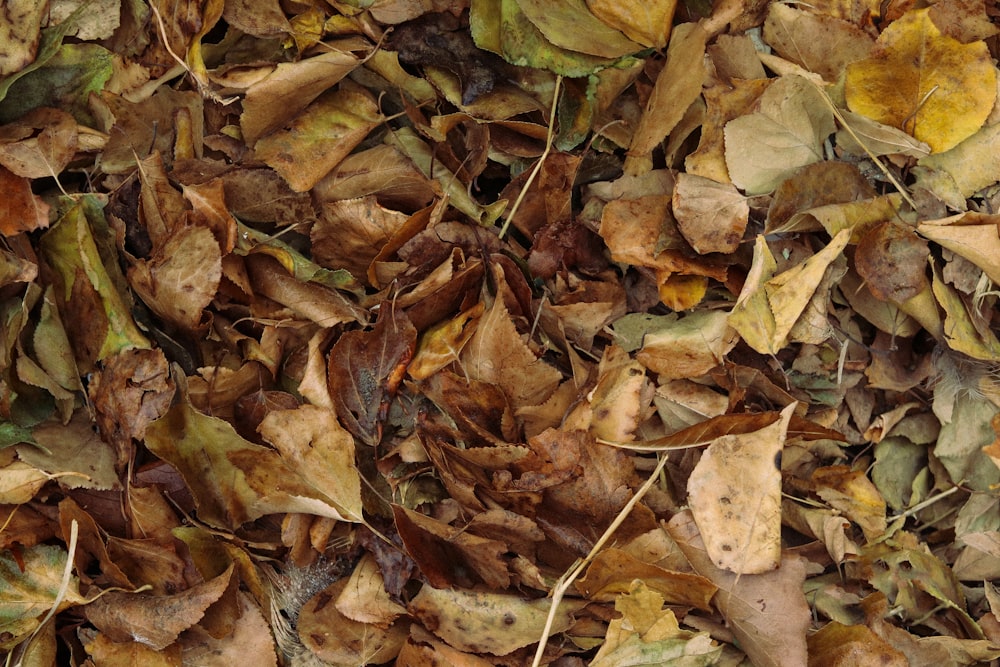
<point>502,27</point>
<point>232,480</point>
<point>29,588</point>
<point>65,82</point>
<point>569,25</point>
<point>100,319</point>
<point>48,45</point>
<point>302,268</point>
<point>407,141</point>
<point>13,434</point>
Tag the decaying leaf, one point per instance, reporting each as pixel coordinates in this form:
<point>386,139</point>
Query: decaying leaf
<point>278,385</point>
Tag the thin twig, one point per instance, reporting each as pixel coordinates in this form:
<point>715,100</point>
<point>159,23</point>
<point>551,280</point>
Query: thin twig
<point>570,576</point>
<point>541,160</point>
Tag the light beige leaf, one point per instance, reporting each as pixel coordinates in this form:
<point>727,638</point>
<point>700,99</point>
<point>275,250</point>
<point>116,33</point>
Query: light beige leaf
<point>787,132</point>
<point>735,497</point>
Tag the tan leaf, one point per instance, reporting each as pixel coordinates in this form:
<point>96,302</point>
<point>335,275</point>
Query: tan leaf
<point>677,86</point>
<point>711,215</point>
<point>768,613</point>
<point>786,133</point>
<point>735,497</point>
<point>496,354</point>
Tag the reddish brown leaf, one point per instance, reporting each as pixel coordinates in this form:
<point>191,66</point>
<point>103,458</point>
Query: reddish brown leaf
<point>366,367</point>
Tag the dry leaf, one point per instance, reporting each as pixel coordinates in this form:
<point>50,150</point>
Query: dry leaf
<point>787,132</point>
<point>735,497</point>
<point>930,85</point>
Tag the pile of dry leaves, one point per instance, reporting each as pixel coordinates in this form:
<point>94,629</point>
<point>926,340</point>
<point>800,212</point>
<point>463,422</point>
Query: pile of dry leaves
<point>499,332</point>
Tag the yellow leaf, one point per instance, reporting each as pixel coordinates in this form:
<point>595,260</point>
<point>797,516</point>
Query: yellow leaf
<point>645,22</point>
<point>925,83</point>
<point>851,492</point>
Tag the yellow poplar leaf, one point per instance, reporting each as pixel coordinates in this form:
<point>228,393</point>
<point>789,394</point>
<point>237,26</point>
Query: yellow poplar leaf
<point>645,22</point>
<point>851,492</point>
<point>19,482</point>
<point>790,292</point>
<point>364,598</point>
<point>680,292</point>
<point>569,25</point>
<point>820,43</point>
<point>844,645</point>
<point>617,400</point>
<point>735,497</point>
<point>925,83</point>
<point>752,316</point>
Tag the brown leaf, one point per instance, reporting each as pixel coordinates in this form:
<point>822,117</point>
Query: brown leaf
<point>613,571</point>
<point>20,209</point>
<point>449,556</point>
<point>893,261</point>
<point>711,215</point>
<point>524,378</point>
<point>366,367</point>
<point>155,620</point>
<point>132,389</point>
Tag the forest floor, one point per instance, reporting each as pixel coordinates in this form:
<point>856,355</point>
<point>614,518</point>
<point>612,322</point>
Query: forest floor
<point>499,332</point>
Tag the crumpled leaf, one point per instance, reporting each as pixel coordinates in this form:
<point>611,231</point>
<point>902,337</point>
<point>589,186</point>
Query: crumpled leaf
<point>364,370</point>
<point>928,84</point>
<point>232,480</point>
<point>95,312</point>
<point>155,620</point>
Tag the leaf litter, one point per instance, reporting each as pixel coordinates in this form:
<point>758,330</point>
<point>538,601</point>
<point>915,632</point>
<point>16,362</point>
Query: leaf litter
<point>500,333</point>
